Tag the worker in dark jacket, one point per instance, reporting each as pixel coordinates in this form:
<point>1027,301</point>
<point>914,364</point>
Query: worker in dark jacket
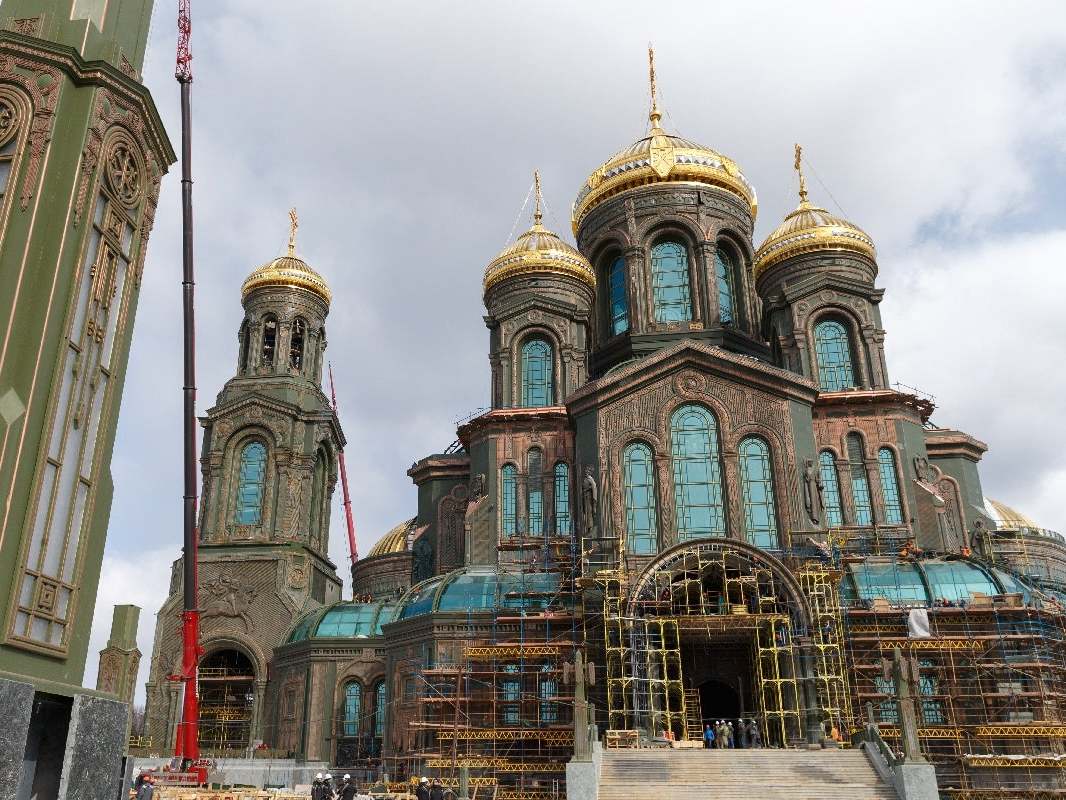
<point>437,792</point>
<point>422,792</point>
<point>347,790</point>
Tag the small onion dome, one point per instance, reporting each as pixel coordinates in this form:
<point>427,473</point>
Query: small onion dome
<point>288,272</point>
<point>395,541</point>
<point>810,229</point>
<point>539,251</point>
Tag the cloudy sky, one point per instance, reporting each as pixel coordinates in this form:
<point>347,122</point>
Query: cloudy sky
<point>406,135</point>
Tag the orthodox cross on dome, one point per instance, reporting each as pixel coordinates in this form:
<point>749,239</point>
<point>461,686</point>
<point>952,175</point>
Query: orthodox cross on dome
<point>655,116</point>
<point>799,170</point>
<point>294,223</point>
<point>537,215</point>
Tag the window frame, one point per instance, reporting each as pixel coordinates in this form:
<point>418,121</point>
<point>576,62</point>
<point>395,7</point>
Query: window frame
<point>651,536</point>
<point>767,456</point>
<point>857,472</point>
<point>892,511</point>
<point>687,287</point>
<point>730,263</point>
<point>243,447</point>
<point>834,480</point>
<point>717,496</point>
<point>524,386</point>
<point>821,367</point>
<point>616,275</point>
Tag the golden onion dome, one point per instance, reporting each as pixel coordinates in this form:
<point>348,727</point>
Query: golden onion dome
<point>395,541</point>
<point>661,157</point>
<point>538,251</point>
<point>810,229</point>
<point>288,271</point>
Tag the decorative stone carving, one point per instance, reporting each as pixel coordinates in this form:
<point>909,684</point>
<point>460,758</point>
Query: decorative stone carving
<point>228,599</point>
<point>590,502</point>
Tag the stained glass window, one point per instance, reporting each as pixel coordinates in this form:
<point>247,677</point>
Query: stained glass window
<point>697,473</point>
<point>563,522</point>
<point>509,494</point>
<point>886,462</point>
<point>832,348</point>
<point>380,706</point>
<point>860,482</point>
<point>642,527</point>
<point>270,341</point>
<point>535,494</point>
<point>536,373</point>
<point>723,271</point>
<point>757,480</point>
<point>619,302</point>
<point>353,707</point>
<point>250,484</point>
<point>827,468</point>
<point>669,282</point>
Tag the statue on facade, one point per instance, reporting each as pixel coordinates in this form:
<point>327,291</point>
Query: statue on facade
<point>812,492</point>
<point>590,500</point>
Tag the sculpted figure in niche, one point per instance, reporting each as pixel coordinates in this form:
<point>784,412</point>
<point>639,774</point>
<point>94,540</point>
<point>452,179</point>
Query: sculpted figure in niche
<point>590,500</point>
<point>812,491</point>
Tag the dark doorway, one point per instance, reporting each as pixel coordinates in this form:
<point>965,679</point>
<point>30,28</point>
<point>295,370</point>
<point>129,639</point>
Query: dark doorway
<point>718,700</point>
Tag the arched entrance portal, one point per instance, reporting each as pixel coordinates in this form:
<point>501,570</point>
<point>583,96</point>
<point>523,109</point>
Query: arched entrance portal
<point>227,693</point>
<point>729,615</point>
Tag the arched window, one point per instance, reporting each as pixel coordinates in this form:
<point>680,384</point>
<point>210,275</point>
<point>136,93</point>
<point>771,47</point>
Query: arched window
<point>860,483</point>
<point>832,348</point>
<point>723,273</point>
<point>509,499</point>
<point>757,481</point>
<point>669,282</point>
<point>270,341</point>
<point>535,491</point>
<point>697,473</point>
<point>353,707</point>
<point>536,374</point>
<point>827,468</point>
<point>380,706</point>
<point>296,344</point>
<point>642,527</point>
<point>563,523</point>
<point>616,282</point>
<point>245,336</point>
<point>886,462</point>
<point>250,484</point>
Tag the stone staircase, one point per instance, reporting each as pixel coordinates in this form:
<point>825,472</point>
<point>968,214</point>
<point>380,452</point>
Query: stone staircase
<point>665,774</point>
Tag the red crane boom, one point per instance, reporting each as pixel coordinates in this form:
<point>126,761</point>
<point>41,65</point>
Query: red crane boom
<point>353,548</point>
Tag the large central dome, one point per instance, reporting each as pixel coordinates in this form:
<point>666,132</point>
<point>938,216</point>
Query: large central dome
<point>661,157</point>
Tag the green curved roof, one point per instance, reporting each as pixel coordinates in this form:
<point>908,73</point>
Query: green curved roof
<point>473,589</point>
<point>923,582</point>
<point>344,621</point>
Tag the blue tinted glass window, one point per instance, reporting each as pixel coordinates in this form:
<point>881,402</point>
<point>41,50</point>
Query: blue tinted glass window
<point>469,592</point>
<point>509,499</point>
<point>563,522</point>
<point>898,583</point>
<point>756,474</point>
<point>827,469</point>
<point>697,473</point>
<point>832,348</point>
<point>549,689</point>
<point>420,601</point>
<point>380,705</point>
<point>535,493</point>
<point>669,282</point>
<point>928,686</point>
<point>642,527</point>
<point>250,484</point>
<point>348,620</point>
<point>353,708</point>
<point>860,482</point>
<point>536,373</point>
<point>723,272</point>
<point>886,710</point>
<point>957,580</point>
<point>886,462</point>
<point>619,302</point>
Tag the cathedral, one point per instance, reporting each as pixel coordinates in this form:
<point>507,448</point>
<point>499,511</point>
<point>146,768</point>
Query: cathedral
<point>696,497</point>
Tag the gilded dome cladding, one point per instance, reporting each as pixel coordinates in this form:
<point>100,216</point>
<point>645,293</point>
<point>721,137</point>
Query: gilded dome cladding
<point>538,250</point>
<point>810,229</point>
<point>289,272</point>
<point>395,541</point>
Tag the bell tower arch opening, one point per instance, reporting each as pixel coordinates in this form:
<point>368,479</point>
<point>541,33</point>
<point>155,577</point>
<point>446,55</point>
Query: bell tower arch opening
<point>227,695</point>
<point>738,613</point>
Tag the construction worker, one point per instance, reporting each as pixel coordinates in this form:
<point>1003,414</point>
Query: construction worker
<point>316,787</point>
<point>422,792</point>
<point>437,792</point>
<point>327,788</point>
<point>708,737</point>
<point>147,790</point>
<point>347,789</point>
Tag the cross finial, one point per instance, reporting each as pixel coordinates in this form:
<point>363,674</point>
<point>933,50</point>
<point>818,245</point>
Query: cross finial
<point>655,115</point>
<point>294,223</point>
<point>799,169</point>
<point>537,216</point>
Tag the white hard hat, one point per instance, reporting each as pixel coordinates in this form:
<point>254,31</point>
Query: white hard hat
<point>347,777</point>
<point>319,776</point>
<point>424,780</point>
<point>329,777</point>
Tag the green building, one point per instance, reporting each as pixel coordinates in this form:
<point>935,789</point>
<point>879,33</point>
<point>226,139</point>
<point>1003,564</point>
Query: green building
<point>82,154</point>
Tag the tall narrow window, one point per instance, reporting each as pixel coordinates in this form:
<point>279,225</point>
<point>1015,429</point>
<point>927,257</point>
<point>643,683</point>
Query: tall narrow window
<point>250,484</point>
<point>698,503</point>
<point>535,491</point>
<point>563,523</point>
<point>270,341</point>
<point>549,690</point>
<point>827,468</point>
<point>723,273</point>
<point>296,344</point>
<point>245,336</point>
<point>353,707</point>
<point>536,373</point>
<point>381,705</point>
<point>928,686</point>
<point>832,348</point>
<point>860,483</point>
<point>619,302</point>
<point>669,282</point>
<point>642,527</point>
<point>886,463</point>
<point>509,499</point>
<point>757,479</point>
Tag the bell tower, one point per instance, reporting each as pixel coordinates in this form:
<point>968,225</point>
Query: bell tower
<point>269,466</point>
